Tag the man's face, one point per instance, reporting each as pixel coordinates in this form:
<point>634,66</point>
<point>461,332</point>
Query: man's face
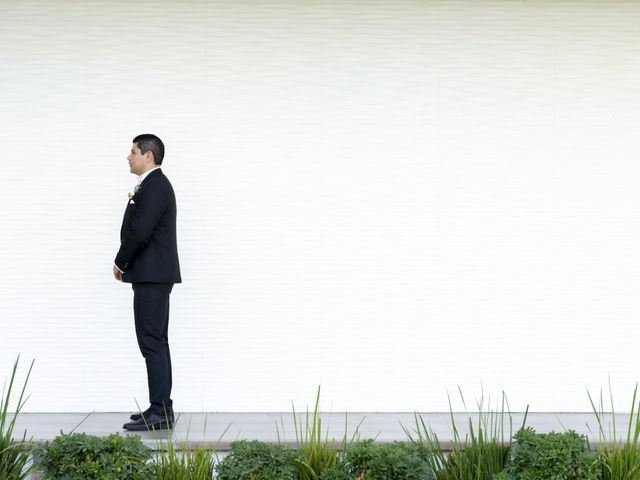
<point>139,163</point>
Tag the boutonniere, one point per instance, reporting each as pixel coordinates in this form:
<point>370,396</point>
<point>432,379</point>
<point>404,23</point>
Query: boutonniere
<point>132,193</point>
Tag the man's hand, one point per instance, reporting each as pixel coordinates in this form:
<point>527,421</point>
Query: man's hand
<point>117,273</point>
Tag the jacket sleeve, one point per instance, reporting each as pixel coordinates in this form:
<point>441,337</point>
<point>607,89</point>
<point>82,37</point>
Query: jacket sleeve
<point>150,206</point>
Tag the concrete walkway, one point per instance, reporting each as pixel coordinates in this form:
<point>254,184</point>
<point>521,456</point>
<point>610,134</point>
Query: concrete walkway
<point>217,430</point>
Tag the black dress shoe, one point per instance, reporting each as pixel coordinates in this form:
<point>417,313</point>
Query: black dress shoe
<point>152,421</point>
<point>138,416</point>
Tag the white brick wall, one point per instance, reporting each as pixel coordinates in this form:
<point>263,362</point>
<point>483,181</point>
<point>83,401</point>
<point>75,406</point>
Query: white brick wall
<point>389,198</point>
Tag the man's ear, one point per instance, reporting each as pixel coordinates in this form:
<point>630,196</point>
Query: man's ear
<point>149,157</point>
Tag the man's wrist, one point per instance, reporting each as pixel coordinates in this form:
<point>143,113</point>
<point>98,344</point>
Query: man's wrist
<point>118,268</point>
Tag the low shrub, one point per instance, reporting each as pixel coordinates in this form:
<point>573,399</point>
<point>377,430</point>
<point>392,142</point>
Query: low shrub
<point>253,460</point>
<point>339,471</point>
<point>80,456</point>
<point>378,461</point>
<point>502,476</point>
<point>552,456</point>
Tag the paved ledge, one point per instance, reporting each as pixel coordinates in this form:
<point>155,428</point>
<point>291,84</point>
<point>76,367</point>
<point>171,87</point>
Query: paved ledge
<point>216,431</point>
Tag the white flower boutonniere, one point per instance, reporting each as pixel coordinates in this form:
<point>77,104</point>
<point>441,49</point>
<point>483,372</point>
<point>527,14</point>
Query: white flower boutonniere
<point>132,193</point>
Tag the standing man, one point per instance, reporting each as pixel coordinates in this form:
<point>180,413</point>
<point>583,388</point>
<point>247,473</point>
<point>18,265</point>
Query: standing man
<point>148,259</point>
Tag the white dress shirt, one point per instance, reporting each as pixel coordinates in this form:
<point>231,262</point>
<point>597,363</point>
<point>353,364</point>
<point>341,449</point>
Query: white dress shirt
<point>144,175</point>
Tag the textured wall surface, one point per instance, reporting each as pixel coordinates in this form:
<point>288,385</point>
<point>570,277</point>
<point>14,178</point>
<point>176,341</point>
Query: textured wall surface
<point>388,198</point>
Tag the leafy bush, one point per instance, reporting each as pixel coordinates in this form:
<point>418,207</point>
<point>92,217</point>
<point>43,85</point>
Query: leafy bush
<point>378,461</point>
<point>338,472</point>
<point>552,456</point>
<point>87,457</point>
<point>502,476</point>
<point>253,460</point>
<point>14,456</point>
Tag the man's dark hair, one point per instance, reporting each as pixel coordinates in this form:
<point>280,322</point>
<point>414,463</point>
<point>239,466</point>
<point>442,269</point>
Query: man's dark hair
<point>148,142</point>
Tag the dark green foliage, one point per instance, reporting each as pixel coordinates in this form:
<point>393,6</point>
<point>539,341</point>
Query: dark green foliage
<point>253,460</point>
<point>552,456</point>
<point>338,472</point>
<point>378,461</point>
<point>87,457</point>
<point>502,476</point>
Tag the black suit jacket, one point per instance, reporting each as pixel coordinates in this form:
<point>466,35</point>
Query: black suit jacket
<point>148,242</point>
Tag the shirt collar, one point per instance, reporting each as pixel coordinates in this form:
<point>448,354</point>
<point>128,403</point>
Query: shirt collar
<point>145,174</point>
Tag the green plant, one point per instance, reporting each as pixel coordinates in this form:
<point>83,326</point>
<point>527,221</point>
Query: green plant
<point>552,456</point>
<point>317,455</point>
<point>397,461</point>
<point>80,456</point>
<point>183,464</point>
<point>502,476</point>
<point>14,456</point>
<point>253,460</point>
<point>482,453</point>
<point>338,472</point>
<point>620,460</point>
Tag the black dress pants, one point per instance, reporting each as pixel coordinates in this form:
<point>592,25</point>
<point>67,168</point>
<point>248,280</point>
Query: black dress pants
<point>151,312</point>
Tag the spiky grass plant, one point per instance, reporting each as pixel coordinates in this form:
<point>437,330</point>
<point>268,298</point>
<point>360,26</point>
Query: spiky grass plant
<point>481,454</point>
<point>181,463</point>
<point>15,457</point>
<point>317,454</point>
<point>620,457</point>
